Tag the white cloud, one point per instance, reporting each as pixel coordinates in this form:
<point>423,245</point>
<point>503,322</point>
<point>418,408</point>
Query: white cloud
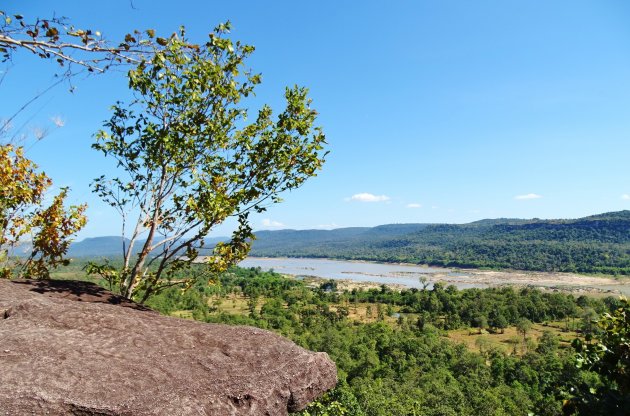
<point>528,196</point>
<point>58,121</point>
<point>271,223</point>
<point>366,197</point>
<point>625,197</point>
<point>414,205</point>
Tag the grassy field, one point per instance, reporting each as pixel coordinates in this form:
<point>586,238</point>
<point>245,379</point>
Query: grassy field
<point>233,304</point>
<point>510,341</point>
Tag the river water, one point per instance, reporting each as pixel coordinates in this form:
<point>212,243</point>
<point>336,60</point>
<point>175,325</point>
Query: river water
<point>409,275</point>
<point>402,274</point>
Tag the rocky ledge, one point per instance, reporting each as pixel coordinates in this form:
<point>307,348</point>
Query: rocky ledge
<point>71,347</point>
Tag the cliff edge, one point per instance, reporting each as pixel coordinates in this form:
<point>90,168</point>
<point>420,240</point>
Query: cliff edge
<point>70,347</point>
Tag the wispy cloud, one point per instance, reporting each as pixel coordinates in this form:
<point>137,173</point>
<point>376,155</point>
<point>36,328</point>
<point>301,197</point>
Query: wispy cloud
<point>40,132</point>
<point>271,223</point>
<point>528,196</point>
<point>58,121</point>
<point>367,197</point>
<point>625,197</point>
<point>414,205</point>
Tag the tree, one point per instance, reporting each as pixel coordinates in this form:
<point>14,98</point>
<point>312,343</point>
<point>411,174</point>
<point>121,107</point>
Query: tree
<point>480,322</point>
<point>609,356</point>
<point>589,320</point>
<point>338,402</point>
<point>380,313</point>
<point>24,214</point>
<point>501,322</point>
<point>26,217</point>
<point>191,161</point>
<point>422,320</point>
<point>424,281</point>
<point>523,326</point>
<point>548,343</point>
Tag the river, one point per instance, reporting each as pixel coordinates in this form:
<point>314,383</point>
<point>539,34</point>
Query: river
<point>388,273</point>
<point>409,275</point>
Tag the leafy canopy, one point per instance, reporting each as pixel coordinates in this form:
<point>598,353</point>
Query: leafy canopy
<point>609,356</point>
<point>191,159</point>
<point>25,218</point>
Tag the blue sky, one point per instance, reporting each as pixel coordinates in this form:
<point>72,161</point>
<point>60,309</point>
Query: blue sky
<point>435,111</point>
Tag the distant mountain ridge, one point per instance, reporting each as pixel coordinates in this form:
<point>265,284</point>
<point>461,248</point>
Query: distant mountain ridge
<point>98,246</point>
<point>594,244</point>
<point>111,246</point>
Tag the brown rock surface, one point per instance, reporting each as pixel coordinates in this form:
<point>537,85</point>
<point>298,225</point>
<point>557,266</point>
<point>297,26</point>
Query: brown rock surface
<point>74,348</point>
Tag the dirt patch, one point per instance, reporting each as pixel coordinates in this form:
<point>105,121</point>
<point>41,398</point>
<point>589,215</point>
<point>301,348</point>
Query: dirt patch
<point>567,282</point>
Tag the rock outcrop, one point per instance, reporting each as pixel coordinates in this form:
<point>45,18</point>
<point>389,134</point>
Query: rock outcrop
<point>75,348</point>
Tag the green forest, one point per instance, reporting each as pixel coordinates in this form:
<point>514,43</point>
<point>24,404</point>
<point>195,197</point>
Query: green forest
<point>596,244</point>
<point>425,352</point>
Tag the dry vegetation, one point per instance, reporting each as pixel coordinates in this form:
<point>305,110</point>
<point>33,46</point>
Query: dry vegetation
<point>510,341</point>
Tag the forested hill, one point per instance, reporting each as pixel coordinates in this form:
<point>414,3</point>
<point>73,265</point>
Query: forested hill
<point>595,244</point>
